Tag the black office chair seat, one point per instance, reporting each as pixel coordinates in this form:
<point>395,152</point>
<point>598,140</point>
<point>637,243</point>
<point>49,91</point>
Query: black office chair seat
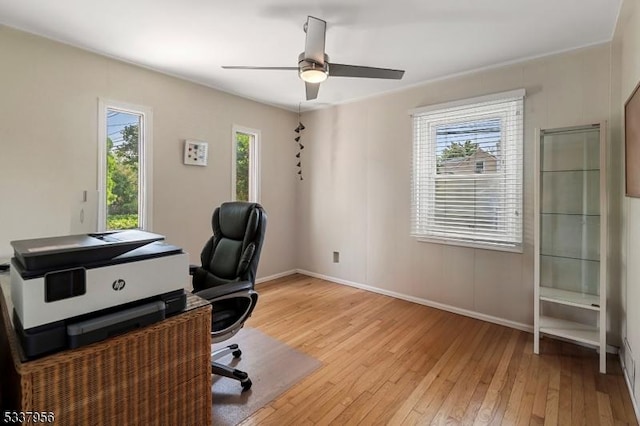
<point>225,317</point>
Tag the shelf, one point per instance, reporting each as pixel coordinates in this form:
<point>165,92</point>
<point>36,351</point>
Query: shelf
<point>570,192</point>
<point>569,257</point>
<point>571,214</point>
<point>569,170</point>
<point>570,298</point>
<point>570,330</point>
<point>574,236</point>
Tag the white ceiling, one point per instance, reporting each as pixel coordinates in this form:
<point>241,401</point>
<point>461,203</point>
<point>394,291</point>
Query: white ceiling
<point>427,38</point>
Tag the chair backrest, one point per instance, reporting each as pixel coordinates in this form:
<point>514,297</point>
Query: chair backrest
<point>233,252</point>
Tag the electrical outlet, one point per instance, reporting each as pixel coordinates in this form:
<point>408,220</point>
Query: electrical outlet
<point>336,257</point>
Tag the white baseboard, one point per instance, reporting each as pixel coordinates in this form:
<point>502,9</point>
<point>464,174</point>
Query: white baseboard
<point>425,302</point>
<point>629,388</point>
<point>276,276</point>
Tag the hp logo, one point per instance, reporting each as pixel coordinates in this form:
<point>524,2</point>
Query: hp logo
<point>118,285</point>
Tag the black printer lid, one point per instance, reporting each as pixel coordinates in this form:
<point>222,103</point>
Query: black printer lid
<point>72,250</point>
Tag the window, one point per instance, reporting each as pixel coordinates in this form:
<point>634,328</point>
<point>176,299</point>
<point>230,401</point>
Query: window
<point>245,172</point>
<point>467,172</point>
<point>124,166</point>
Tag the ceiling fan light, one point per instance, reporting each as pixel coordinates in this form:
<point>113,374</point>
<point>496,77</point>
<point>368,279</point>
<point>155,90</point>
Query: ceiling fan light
<point>312,71</point>
<point>313,75</point>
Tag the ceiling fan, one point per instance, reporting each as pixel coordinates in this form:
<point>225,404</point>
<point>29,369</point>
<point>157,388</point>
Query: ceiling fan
<point>314,66</point>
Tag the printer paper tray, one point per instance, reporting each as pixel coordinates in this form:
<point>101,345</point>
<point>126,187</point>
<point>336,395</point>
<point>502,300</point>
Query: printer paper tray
<point>99,328</point>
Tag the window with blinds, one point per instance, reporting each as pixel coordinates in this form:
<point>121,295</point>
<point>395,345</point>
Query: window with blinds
<point>467,172</point>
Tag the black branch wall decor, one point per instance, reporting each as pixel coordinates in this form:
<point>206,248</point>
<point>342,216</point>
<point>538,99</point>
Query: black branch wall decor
<point>297,140</point>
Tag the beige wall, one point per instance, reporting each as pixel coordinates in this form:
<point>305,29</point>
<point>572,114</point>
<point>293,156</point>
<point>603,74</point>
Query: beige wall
<point>625,75</point>
<point>356,198</point>
<point>48,147</point>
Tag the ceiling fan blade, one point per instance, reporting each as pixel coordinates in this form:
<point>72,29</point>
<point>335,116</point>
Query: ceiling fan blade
<point>312,90</point>
<point>314,45</point>
<point>242,67</point>
<point>340,70</point>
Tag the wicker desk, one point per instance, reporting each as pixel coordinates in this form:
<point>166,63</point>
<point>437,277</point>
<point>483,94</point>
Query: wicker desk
<point>158,374</point>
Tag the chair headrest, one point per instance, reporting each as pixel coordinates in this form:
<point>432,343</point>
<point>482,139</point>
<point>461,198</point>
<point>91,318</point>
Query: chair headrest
<point>234,217</point>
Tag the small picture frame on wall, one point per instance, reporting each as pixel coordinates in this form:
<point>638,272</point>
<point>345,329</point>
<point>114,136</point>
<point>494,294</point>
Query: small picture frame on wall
<point>195,152</point>
<point>632,143</point>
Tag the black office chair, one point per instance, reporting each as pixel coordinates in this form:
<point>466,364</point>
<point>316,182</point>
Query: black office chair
<point>228,274</point>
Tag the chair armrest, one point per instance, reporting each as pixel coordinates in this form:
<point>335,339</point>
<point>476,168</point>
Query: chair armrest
<point>225,289</point>
<point>192,269</point>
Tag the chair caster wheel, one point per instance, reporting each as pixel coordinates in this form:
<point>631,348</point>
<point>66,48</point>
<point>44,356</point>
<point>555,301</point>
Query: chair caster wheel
<point>246,385</point>
<point>236,353</point>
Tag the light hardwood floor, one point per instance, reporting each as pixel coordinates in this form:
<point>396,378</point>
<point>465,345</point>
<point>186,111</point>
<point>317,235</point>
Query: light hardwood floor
<point>387,361</point>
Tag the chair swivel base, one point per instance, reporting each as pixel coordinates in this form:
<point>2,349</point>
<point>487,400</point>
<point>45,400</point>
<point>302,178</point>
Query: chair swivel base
<point>226,371</point>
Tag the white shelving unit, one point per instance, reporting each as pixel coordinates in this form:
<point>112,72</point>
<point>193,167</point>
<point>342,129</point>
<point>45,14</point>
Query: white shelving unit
<point>570,230</point>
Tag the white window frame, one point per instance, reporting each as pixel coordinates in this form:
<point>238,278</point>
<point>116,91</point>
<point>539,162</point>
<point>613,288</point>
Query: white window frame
<point>421,207</point>
<point>145,160</point>
<point>254,162</point>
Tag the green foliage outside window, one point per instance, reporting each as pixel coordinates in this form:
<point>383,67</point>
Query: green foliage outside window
<point>122,221</point>
<point>242,166</point>
<point>459,150</point>
<point>122,180</point>
<point>456,150</point>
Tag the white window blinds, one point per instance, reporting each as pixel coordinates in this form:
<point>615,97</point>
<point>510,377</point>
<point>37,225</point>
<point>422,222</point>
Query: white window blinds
<point>467,172</point>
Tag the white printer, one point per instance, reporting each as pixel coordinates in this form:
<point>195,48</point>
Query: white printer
<point>72,290</point>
